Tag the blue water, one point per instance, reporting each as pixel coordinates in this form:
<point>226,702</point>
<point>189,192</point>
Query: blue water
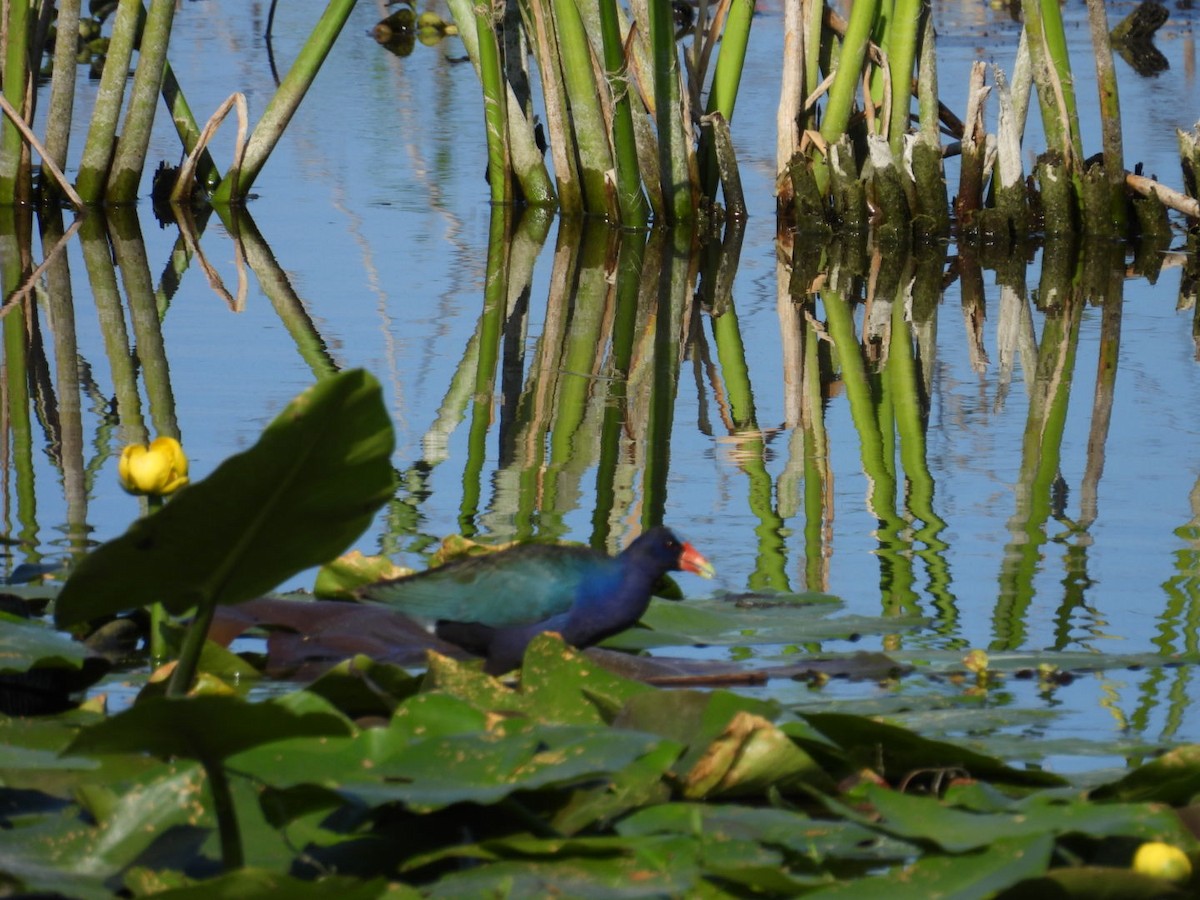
<point>376,208</point>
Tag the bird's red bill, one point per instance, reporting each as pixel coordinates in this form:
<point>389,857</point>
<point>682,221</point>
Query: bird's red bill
<point>690,560</point>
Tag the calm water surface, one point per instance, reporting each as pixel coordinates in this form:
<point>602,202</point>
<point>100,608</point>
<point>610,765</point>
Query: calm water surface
<point>376,209</point>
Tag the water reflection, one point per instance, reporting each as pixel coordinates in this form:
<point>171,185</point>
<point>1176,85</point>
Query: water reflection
<point>569,401</point>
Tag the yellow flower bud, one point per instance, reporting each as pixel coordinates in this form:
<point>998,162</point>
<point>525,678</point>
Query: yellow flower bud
<point>160,469</point>
<point>1159,860</point>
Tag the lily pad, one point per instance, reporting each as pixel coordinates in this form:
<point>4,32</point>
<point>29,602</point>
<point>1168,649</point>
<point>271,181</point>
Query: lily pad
<point>205,728</point>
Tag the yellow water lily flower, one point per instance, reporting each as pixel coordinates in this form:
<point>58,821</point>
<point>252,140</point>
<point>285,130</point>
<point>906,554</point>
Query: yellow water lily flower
<point>159,469</point>
<point>1163,861</point>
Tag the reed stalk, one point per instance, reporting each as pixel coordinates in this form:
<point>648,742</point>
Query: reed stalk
<point>527,163</point>
<point>129,159</point>
<point>102,130</point>
<point>554,94</point>
<point>62,94</point>
<point>1110,113</point>
<point>495,107</point>
<point>587,117</point>
<point>631,201</point>
<point>206,172</point>
<point>1052,76</point>
<point>283,104</point>
<point>674,149</point>
<point>789,113</point>
<point>727,77</point>
<point>815,50</point>
<point>15,182</point>
<point>907,18</point>
<point>846,78</point>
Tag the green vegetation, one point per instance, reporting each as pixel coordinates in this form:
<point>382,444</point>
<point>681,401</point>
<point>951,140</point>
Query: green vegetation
<point>371,779</point>
<point>111,167</point>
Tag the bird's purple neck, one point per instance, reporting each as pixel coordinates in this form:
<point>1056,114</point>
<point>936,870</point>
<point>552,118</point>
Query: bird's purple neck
<point>609,604</point>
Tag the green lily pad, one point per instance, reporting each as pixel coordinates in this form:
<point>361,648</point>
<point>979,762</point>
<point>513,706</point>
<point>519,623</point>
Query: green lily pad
<point>486,768</point>
<point>337,580</point>
<point>263,884</point>
<point>41,668</point>
<point>206,728</point>
<point>896,752</point>
<point>1172,778</point>
<point>975,876</point>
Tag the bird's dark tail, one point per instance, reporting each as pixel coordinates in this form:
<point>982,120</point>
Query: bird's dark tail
<point>471,636</point>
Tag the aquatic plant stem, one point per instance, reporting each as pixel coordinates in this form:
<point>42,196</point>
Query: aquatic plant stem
<point>587,118</point>
<point>102,129</point>
<point>845,79</point>
<point>15,181</point>
<point>727,76</point>
<point>158,613</point>
<point>525,156</point>
<point>184,674</point>
<point>62,93</point>
<point>228,830</point>
<point>631,201</point>
<point>673,153</point>
<point>1052,76</point>
<point>907,17</point>
<point>495,115</point>
<point>1110,110</point>
<point>791,92</point>
<point>235,186</point>
<point>130,157</point>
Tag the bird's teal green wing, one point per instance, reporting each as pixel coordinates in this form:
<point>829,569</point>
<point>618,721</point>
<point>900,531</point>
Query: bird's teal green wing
<point>513,587</point>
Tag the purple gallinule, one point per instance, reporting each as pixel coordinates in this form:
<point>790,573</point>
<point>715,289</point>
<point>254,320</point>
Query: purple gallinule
<point>493,605</point>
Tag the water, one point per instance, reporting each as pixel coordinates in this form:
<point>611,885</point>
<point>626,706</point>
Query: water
<point>375,208</point>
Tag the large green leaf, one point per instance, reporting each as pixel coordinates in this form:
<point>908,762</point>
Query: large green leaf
<point>896,752</point>
<point>65,852</point>
<point>1172,778</point>
<point>296,499</point>
<point>260,884</point>
<point>487,767</point>
<point>207,728</point>
<point>915,817</point>
<point>975,876</point>
<point>25,645</point>
<point>806,839</point>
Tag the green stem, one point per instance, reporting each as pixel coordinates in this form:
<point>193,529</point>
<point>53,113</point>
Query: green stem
<point>673,153</point>
<point>727,76</point>
<point>232,855</point>
<point>15,182</point>
<point>62,91</point>
<point>495,116</point>
<point>130,157</point>
<point>631,202</point>
<point>286,100</point>
<point>902,51</point>
<point>158,613</point>
<point>587,119</point>
<point>1110,110</point>
<point>849,69</point>
<point>102,130</point>
<point>193,645</point>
